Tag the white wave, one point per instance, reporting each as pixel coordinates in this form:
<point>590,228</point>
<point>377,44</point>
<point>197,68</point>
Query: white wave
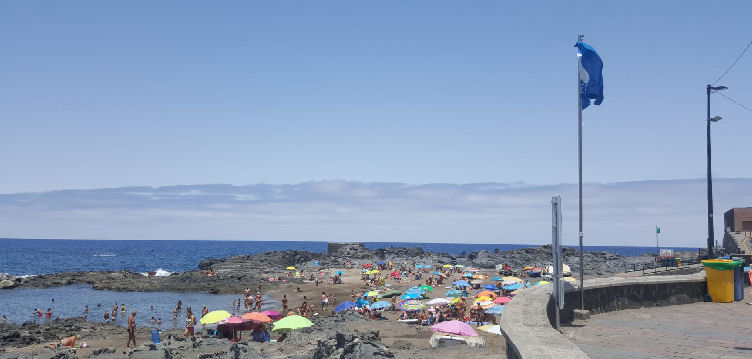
<point>158,273</point>
<point>105,255</point>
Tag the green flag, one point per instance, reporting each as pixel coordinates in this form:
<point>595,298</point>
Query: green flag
<point>657,229</point>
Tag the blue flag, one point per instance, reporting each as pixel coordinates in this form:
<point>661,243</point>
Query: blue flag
<point>591,74</point>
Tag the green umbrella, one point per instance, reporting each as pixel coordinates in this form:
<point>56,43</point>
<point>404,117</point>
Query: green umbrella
<point>427,288</point>
<point>391,293</point>
<point>215,316</point>
<point>292,322</point>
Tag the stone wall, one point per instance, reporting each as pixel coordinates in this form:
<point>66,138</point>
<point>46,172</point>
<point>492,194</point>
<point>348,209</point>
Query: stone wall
<point>528,320</point>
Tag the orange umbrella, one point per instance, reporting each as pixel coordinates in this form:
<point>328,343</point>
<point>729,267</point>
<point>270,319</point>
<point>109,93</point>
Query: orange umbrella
<point>486,293</point>
<point>259,317</point>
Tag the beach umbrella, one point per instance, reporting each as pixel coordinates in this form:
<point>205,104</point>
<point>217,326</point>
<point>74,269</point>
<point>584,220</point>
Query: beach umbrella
<point>461,283</point>
<point>497,278</point>
<point>367,265</point>
<point>233,320</point>
<point>272,314</point>
<point>292,322</point>
<point>381,263</point>
<point>514,292</point>
<point>371,293</point>
<point>256,316</point>
<point>485,293</point>
<point>460,266</point>
<point>290,268</point>
<point>415,290</point>
<point>344,306</point>
<point>453,293</point>
<point>496,309</point>
<point>362,302</point>
<point>418,266</point>
<point>468,275</point>
<point>512,286</point>
<point>493,329</point>
<point>215,317</point>
<point>427,266</point>
<point>426,288</point>
<point>454,327</point>
<point>375,271</point>
<point>436,272</point>
<point>480,276</point>
<point>381,305</point>
<point>473,269</point>
<point>438,301</point>
<point>339,272</point>
<point>483,301</point>
<point>412,296</point>
<point>455,300</point>
<point>510,278</point>
<point>476,281</point>
<point>502,300</point>
<point>391,293</point>
<point>489,287</point>
<point>412,305</point>
<point>447,266</point>
<point>542,282</point>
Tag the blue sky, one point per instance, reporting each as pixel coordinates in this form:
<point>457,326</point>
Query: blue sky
<point>103,94</point>
<point>140,93</point>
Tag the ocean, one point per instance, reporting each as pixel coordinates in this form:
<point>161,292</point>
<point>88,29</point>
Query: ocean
<point>42,256</point>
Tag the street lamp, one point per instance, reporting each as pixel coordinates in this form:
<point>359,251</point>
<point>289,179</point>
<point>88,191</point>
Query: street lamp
<point>711,236</point>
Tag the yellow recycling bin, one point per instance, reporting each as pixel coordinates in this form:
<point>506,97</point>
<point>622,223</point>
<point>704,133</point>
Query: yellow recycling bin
<point>719,274</point>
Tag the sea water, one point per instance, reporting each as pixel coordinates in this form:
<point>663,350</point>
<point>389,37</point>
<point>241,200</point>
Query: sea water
<point>41,256</point>
<point>69,301</point>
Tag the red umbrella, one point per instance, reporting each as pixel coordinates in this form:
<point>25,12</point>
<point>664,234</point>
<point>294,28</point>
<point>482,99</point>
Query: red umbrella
<point>234,320</point>
<point>502,300</point>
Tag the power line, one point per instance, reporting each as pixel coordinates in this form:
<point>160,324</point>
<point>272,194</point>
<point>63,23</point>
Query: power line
<point>734,63</point>
<point>730,99</point>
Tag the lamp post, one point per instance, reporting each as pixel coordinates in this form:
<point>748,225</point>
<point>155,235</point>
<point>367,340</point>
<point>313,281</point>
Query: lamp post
<point>711,236</point>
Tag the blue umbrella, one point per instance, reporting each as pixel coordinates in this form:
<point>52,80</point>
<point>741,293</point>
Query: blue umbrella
<point>418,266</point>
<point>453,293</point>
<point>381,263</point>
<point>436,272</point>
<point>361,302</point>
<point>496,309</point>
<point>344,306</point>
<point>461,283</point>
<point>381,305</point>
<point>497,278</point>
<point>339,272</point>
<point>412,296</point>
<point>469,275</point>
<point>514,286</point>
<point>427,266</point>
<point>490,287</point>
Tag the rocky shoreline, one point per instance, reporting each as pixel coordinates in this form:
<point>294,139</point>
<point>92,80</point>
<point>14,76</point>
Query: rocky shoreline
<point>236,272</point>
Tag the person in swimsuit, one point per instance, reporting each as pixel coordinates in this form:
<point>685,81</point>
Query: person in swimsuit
<point>204,311</point>
<point>122,309</point>
<point>259,301</point>
<point>49,313</point>
<point>284,303</point>
<point>106,316</point>
<point>190,323</point>
<point>131,329</point>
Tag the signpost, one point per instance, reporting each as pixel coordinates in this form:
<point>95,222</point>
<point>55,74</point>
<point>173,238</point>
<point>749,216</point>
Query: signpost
<point>556,240</point>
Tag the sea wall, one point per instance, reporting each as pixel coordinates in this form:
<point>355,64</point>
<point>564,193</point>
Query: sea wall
<point>528,320</point>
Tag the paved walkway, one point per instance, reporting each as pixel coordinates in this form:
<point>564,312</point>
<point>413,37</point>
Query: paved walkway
<point>699,330</point>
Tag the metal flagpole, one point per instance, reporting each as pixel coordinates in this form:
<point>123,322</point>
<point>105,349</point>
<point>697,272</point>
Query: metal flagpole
<point>579,162</point>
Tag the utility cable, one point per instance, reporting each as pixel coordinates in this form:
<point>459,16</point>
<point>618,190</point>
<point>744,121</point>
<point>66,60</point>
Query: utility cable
<point>732,100</point>
<point>734,63</point>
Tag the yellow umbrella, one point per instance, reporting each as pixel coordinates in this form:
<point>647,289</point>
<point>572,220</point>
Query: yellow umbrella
<point>215,316</point>
<point>374,271</point>
<point>510,278</point>
<point>447,266</point>
<point>290,268</point>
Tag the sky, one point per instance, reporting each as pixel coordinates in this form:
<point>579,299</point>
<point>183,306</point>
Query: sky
<point>141,93</point>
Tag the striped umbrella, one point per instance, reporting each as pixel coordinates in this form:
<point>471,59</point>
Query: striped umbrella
<point>412,305</point>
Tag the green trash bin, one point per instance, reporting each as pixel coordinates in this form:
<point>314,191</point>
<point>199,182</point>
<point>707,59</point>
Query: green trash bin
<point>719,275</point>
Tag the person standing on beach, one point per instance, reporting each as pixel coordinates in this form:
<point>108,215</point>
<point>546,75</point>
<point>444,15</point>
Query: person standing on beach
<point>106,316</point>
<point>204,312</point>
<point>259,301</point>
<point>190,323</point>
<point>324,300</point>
<point>284,303</point>
<point>131,330</point>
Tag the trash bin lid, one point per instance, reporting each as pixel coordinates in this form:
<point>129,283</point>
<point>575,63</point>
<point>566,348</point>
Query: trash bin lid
<point>722,264</point>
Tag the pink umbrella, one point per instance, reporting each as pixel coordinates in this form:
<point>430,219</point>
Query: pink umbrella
<point>455,327</point>
<point>502,300</point>
<point>234,320</point>
<point>272,314</point>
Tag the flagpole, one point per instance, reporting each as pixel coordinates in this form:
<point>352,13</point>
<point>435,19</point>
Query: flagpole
<point>579,165</point>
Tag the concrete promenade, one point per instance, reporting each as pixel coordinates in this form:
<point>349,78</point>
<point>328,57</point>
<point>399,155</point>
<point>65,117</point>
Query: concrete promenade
<point>697,330</point>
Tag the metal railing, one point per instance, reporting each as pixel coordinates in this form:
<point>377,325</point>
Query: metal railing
<point>654,266</point>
